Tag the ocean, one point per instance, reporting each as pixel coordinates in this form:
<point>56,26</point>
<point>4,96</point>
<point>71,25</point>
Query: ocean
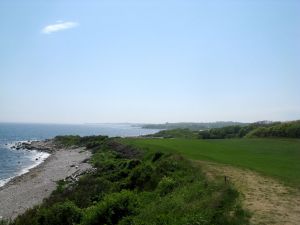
<point>16,162</point>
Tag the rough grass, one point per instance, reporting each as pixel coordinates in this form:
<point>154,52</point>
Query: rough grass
<point>278,158</point>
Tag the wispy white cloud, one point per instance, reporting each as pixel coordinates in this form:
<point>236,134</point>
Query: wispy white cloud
<point>59,26</point>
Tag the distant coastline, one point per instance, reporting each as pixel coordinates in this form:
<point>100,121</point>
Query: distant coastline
<point>192,125</point>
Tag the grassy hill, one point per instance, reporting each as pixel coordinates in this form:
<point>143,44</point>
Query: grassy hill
<point>274,157</point>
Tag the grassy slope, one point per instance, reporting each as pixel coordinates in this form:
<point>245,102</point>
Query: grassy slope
<point>275,157</point>
<point>136,189</point>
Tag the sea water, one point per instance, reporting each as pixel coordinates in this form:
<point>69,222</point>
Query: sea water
<point>16,162</point>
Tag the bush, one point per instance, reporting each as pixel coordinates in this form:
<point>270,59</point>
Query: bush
<point>141,177</point>
<point>89,142</point>
<point>288,129</point>
<point>66,213</point>
<point>112,209</point>
<point>67,140</point>
<point>166,185</point>
<point>175,133</point>
<point>133,163</point>
<point>157,156</point>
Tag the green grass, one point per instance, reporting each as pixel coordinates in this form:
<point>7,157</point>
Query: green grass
<point>279,158</point>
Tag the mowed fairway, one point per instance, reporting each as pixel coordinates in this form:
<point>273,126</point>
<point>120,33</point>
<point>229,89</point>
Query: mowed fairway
<point>279,158</point>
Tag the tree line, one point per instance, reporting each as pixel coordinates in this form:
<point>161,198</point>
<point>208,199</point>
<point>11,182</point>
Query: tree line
<point>259,129</point>
<point>277,129</point>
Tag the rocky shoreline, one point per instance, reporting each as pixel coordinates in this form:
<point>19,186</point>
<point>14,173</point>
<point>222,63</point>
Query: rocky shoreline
<point>25,191</point>
<point>48,145</point>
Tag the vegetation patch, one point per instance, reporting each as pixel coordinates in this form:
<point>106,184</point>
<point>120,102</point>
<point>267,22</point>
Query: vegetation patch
<point>176,133</point>
<point>258,130</point>
<point>147,188</point>
<point>253,130</point>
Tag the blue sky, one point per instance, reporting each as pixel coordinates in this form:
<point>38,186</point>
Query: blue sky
<point>64,61</point>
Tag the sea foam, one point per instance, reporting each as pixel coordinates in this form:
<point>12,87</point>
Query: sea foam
<point>35,158</point>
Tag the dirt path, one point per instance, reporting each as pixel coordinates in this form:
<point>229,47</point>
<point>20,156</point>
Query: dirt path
<point>269,201</point>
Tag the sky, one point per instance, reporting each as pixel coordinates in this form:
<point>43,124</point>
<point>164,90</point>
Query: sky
<point>76,61</point>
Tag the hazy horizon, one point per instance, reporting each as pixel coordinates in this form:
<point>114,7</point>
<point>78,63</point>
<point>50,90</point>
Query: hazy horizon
<point>75,62</point>
<point>140,123</point>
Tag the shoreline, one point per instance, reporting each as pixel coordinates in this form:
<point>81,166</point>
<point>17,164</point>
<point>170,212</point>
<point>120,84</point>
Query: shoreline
<point>29,189</point>
<point>25,170</point>
<point>15,179</point>
<point>43,147</point>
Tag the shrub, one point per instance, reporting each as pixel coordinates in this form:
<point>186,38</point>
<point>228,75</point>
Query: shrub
<point>166,185</point>
<point>66,213</point>
<point>112,209</point>
<point>67,140</point>
<point>133,163</point>
<point>157,156</point>
<point>141,177</point>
